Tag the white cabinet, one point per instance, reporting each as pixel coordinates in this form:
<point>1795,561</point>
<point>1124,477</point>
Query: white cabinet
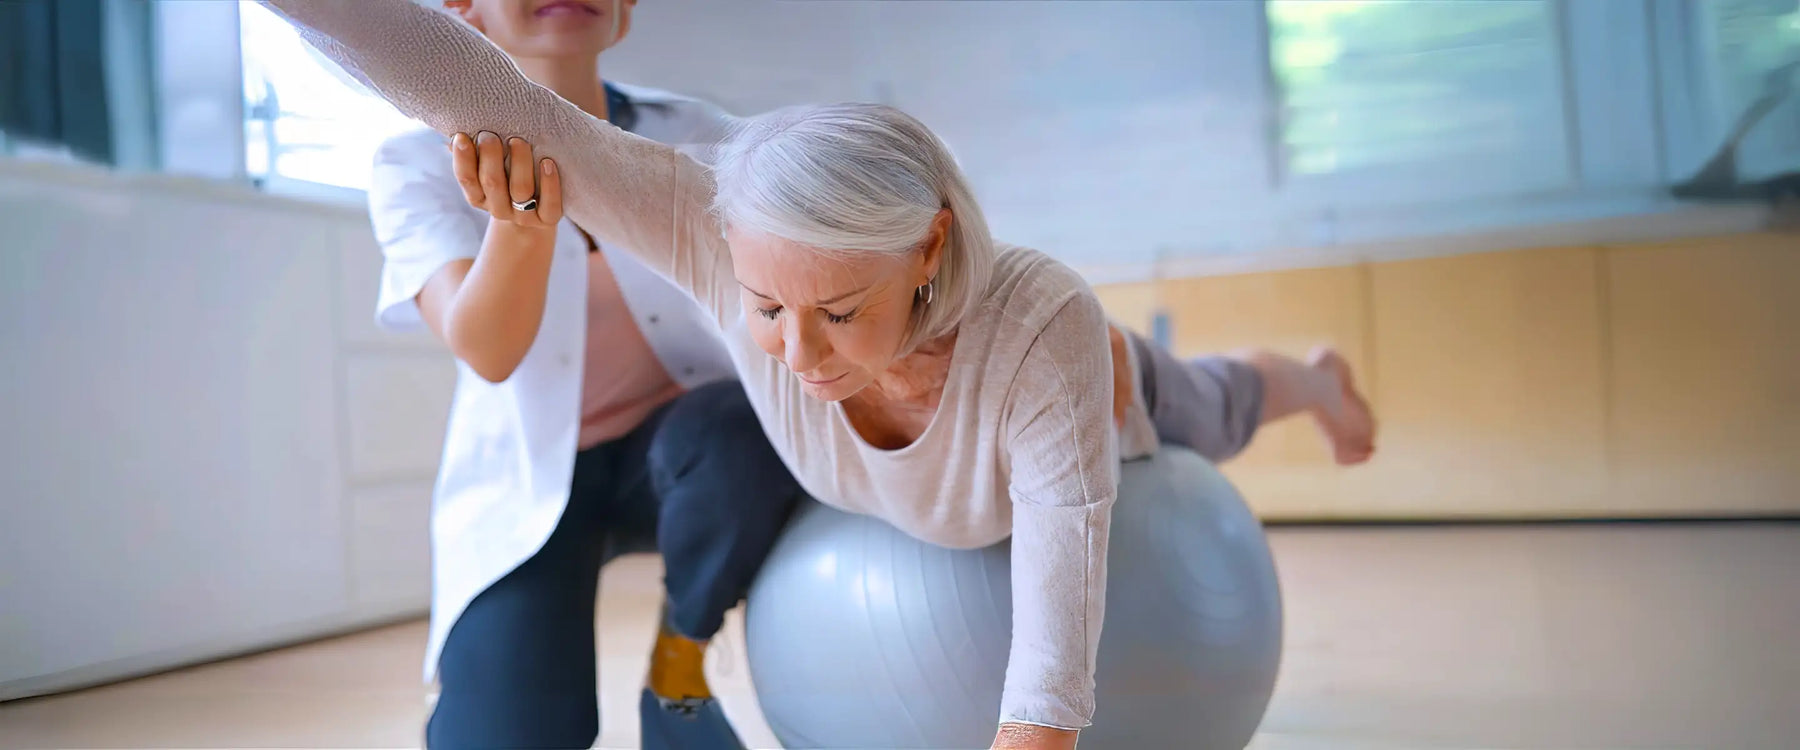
<point>196,460</point>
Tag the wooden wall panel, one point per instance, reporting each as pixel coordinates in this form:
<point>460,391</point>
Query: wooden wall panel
<point>1491,385</point>
<point>1706,375</point>
<point>1129,305</point>
<point>1642,381</point>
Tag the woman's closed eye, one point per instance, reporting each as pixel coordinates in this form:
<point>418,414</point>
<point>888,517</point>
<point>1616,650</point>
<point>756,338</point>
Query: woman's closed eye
<point>772,312</point>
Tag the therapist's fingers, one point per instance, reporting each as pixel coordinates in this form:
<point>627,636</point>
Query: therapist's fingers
<point>550,204</point>
<point>490,168</point>
<point>521,179</point>
<point>462,157</point>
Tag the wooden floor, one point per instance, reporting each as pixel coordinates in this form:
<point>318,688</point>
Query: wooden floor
<point>1509,637</point>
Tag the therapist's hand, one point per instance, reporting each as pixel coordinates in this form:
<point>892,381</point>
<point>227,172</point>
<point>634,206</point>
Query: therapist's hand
<point>495,176</point>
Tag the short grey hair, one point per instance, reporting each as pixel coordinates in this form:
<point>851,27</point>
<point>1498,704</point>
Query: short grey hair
<point>855,179</point>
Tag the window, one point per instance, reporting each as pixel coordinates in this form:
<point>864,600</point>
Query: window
<point>75,83</point>
<point>1750,52</point>
<point>305,119</point>
<point>1413,96</point>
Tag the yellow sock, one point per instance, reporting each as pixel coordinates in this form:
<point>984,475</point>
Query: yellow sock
<point>678,667</point>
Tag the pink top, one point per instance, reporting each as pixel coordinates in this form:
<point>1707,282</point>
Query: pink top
<point>622,380</point>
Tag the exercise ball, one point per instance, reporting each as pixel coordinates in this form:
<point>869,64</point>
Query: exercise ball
<point>859,636</point>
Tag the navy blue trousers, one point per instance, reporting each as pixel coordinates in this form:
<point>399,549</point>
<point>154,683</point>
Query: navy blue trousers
<point>697,482</point>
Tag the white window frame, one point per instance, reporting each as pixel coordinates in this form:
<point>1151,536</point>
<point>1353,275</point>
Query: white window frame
<point>200,90</point>
<point>1692,123</point>
<point>1681,70</point>
<point>200,112</point>
<point>1612,91</point>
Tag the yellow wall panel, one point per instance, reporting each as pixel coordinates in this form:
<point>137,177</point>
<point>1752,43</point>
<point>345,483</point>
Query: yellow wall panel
<point>1706,374</point>
<point>1491,385</point>
<point>1641,381</point>
<point>1288,311</point>
<point>1129,305</point>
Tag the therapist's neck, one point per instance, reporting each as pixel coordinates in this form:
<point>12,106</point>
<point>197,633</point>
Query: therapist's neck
<point>574,79</point>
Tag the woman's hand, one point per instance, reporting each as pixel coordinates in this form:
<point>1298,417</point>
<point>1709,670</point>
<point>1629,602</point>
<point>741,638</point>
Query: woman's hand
<point>497,178</point>
<point>1034,737</point>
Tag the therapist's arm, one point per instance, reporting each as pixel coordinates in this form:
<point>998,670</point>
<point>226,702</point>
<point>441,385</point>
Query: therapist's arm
<point>488,310</point>
<point>644,197</point>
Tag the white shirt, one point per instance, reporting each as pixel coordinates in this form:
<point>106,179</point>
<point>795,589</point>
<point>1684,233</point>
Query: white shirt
<point>509,448</point>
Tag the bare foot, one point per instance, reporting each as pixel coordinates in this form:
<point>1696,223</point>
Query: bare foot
<point>1350,425</point>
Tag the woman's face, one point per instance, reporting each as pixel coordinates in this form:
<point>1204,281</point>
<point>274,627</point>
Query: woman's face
<point>548,28</point>
<point>836,321</point>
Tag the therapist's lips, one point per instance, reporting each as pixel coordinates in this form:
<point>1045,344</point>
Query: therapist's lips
<point>566,7</point>
<point>827,381</point>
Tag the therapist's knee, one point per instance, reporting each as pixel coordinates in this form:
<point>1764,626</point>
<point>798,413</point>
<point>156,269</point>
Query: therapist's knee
<point>712,436</point>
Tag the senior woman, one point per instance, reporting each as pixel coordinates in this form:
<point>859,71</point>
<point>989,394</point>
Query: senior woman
<point>902,363</point>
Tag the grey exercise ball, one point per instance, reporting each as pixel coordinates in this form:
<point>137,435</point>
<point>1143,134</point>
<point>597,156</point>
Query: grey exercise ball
<point>860,636</point>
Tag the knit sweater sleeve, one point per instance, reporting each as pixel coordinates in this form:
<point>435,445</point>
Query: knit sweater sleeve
<point>649,198</point>
<point>1064,480</point>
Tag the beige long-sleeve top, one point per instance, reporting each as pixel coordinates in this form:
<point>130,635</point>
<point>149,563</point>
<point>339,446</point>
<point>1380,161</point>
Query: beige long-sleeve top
<point>1023,441</point>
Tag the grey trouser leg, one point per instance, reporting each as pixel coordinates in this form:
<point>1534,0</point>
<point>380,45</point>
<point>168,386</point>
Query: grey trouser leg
<point>1209,404</point>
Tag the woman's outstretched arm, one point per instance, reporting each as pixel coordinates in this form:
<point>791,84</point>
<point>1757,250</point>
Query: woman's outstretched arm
<point>640,195</point>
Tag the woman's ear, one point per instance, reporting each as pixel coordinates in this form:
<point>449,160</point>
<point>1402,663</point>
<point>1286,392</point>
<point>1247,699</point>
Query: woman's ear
<point>935,240</point>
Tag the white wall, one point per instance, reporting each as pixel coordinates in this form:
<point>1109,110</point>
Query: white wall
<point>208,447</point>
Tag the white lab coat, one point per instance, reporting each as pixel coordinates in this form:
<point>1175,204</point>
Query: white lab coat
<point>509,448</point>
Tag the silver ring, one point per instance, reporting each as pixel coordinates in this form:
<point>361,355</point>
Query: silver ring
<point>529,204</point>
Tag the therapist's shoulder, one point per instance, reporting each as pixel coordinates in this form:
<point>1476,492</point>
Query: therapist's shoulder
<point>412,169</point>
<point>670,117</point>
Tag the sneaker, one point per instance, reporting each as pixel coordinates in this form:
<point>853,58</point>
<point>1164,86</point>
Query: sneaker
<point>689,724</point>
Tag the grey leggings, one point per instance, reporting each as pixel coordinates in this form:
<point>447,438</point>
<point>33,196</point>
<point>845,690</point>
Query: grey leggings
<point>1210,404</point>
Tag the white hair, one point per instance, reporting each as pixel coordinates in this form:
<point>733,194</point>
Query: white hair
<point>852,179</point>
